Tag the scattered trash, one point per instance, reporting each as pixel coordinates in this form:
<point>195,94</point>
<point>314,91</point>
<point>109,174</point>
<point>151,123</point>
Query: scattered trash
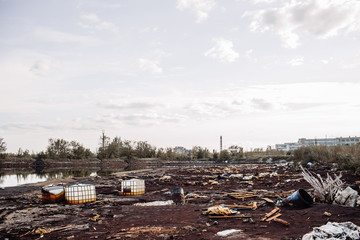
<point>133,187</point>
<point>324,189</point>
<point>95,218</point>
<point>177,195</point>
<point>334,230</point>
<point>52,194</point>
<point>274,216</point>
<point>165,179</point>
<point>348,197</point>
<point>155,203</point>
<point>227,232</point>
<point>299,198</point>
<point>327,214</point>
<point>80,193</point>
<point>217,210</point>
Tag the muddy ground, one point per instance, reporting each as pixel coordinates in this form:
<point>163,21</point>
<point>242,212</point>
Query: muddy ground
<point>113,216</point>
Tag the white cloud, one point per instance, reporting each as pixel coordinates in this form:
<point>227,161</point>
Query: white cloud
<point>200,7</point>
<point>149,65</point>
<point>94,22</point>
<point>323,19</point>
<point>223,50</point>
<point>50,35</point>
<point>43,67</point>
<point>296,61</point>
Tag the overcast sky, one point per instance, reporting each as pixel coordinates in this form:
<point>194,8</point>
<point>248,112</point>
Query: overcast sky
<point>178,73</point>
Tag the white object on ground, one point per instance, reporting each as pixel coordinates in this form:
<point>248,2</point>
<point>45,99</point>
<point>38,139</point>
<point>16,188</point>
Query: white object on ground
<point>348,197</point>
<point>155,203</point>
<point>334,230</point>
<point>227,232</point>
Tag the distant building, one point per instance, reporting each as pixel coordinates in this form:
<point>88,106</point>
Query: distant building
<point>341,141</point>
<point>181,150</point>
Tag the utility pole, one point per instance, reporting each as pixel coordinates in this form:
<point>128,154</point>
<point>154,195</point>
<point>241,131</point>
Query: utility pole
<point>103,139</point>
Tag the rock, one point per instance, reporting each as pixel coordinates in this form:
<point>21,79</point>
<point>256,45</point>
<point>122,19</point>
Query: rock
<point>334,230</point>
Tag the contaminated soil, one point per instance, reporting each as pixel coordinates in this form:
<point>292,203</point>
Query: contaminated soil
<point>23,215</point>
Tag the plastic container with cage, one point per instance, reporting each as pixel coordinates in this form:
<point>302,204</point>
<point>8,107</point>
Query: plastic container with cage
<point>133,187</point>
<point>80,193</point>
<point>52,194</point>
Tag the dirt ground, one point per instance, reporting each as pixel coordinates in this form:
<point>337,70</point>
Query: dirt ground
<point>114,216</point>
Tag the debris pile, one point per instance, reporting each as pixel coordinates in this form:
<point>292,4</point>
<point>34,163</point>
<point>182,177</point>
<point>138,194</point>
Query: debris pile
<point>334,230</point>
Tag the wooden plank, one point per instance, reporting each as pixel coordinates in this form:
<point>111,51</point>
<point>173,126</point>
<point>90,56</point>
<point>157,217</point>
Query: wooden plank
<point>281,221</point>
<point>273,217</point>
<point>275,210</point>
<point>231,216</point>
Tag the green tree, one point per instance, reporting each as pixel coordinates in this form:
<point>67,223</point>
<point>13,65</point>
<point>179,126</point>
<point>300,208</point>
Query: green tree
<point>224,155</point>
<point>78,151</point>
<point>58,148</point>
<point>236,152</point>
<point>198,152</point>
<point>144,150</point>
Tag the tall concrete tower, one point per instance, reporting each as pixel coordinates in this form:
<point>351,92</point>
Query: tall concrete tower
<point>220,144</point>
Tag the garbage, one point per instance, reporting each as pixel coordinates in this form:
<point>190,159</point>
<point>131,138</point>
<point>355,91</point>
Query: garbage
<point>217,210</point>
<point>238,175</point>
<point>275,210</point>
<point>165,179</point>
<point>133,187</point>
<point>324,189</point>
<point>299,198</point>
<point>227,232</point>
<point>247,178</point>
<point>80,193</point>
<point>155,203</point>
<point>274,216</point>
<point>348,197</point>
<point>52,194</point>
<point>334,230</point>
<point>327,214</point>
<point>177,195</point>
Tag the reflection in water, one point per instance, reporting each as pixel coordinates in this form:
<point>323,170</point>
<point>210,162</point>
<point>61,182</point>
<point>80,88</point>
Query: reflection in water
<point>16,178</point>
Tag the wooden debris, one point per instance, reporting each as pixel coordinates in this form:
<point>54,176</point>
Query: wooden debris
<point>281,221</point>
<point>268,200</point>
<point>270,214</point>
<point>273,217</point>
<point>231,216</point>
<point>240,196</point>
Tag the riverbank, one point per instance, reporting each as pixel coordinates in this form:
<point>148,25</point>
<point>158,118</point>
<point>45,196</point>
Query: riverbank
<point>113,216</point>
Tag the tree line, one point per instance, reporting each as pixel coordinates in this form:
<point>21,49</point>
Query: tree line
<point>121,148</point>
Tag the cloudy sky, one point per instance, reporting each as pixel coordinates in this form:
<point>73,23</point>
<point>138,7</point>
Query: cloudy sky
<point>178,73</point>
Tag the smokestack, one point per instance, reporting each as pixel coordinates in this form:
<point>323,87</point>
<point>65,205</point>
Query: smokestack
<point>220,144</point>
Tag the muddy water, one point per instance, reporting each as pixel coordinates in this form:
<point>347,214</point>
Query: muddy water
<point>20,177</point>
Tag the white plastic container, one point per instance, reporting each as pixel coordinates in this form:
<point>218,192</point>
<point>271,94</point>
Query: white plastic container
<point>133,187</point>
<point>80,193</point>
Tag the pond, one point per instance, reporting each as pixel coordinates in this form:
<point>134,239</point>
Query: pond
<point>18,177</point>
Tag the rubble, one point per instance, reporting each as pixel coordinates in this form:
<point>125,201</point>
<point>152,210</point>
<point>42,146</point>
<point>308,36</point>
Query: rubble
<point>348,197</point>
<point>334,230</point>
<point>233,203</point>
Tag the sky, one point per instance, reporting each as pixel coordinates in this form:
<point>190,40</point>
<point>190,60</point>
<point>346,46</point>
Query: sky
<point>178,73</point>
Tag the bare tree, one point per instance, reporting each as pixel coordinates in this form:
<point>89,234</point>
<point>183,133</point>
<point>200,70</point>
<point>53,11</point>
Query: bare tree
<point>2,145</point>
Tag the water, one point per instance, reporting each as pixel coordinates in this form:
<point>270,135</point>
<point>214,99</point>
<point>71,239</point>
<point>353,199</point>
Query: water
<point>17,178</point>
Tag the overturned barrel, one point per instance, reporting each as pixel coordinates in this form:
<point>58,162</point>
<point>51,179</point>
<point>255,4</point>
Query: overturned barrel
<point>178,196</point>
<point>300,198</point>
